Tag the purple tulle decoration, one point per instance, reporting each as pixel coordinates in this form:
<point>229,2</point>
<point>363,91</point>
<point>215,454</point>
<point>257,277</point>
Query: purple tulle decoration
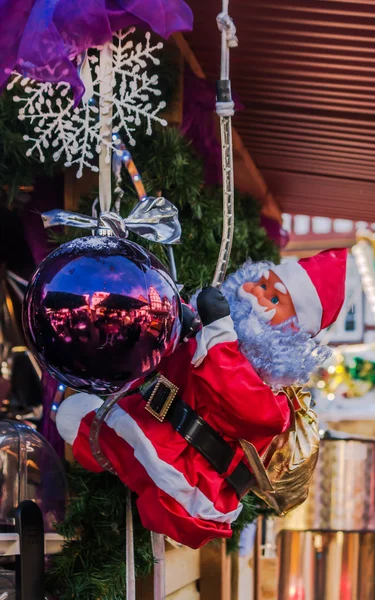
<point>198,123</point>
<point>275,231</point>
<point>40,38</point>
<point>48,426</point>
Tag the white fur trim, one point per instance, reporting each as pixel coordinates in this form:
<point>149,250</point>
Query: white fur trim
<point>305,298</point>
<point>217,332</point>
<point>71,413</point>
<point>166,476</point>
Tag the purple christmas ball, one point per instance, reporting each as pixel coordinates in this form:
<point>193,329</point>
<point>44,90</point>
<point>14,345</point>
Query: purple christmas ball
<point>100,313</point>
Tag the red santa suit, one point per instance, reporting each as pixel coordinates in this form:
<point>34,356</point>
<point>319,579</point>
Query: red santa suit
<point>179,493</point>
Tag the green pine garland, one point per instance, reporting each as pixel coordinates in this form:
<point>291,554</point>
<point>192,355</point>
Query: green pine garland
<point>16,169</point>
<point>91,565</point>
<point>169,166</point>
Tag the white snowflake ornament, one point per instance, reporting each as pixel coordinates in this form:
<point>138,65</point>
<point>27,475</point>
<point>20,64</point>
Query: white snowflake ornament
<point>117,98</point>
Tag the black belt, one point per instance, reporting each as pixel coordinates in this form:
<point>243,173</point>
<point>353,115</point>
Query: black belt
<point>164,404</point>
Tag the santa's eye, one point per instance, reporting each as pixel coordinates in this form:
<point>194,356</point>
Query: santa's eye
<point>263,285</point>
<point>275,300</point>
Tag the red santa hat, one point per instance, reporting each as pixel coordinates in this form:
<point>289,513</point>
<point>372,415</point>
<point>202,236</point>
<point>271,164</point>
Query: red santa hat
<point>317,287</point>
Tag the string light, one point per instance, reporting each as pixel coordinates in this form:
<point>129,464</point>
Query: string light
<point>134,174</point>
<point>349,376</point>
<point>364,256</point>
<point>57,400</point>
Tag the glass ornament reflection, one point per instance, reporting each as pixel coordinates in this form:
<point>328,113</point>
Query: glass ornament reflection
<point>100,313</point>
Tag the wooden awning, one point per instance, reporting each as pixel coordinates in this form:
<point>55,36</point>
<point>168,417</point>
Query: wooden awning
<point>305,72</point>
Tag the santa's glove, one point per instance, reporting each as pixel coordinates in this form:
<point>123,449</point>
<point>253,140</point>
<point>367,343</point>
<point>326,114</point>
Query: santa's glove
<point>212,305</point>
<point>190,322</point>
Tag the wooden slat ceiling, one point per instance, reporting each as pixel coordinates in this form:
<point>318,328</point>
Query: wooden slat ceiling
<point>305,72</point>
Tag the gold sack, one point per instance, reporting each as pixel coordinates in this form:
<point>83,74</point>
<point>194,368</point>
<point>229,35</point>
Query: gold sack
<point>283,474</point>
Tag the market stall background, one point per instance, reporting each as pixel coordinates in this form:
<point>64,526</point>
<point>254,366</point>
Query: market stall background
<point>304,72</point>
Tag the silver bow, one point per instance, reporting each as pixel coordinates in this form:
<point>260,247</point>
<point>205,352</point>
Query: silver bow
<point>154,219</point>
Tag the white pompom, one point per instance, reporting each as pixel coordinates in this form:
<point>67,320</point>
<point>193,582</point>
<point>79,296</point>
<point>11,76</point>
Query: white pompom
<point>72,411</point>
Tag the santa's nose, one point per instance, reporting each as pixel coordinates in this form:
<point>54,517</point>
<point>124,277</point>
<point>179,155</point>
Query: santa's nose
<point>255,289</point>
<point>249,287</point>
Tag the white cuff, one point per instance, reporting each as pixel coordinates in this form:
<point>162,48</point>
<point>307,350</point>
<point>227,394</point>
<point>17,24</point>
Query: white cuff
<point>217,332</point>
<point>72,411</point>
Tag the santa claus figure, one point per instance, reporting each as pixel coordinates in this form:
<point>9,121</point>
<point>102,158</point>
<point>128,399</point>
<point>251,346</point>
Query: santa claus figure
<point>175,439</point>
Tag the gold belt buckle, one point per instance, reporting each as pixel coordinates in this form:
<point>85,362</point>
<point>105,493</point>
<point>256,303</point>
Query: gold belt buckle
<point>159,407</point>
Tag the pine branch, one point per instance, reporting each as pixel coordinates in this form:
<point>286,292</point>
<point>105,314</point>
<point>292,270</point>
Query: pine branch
<point>91,565</point>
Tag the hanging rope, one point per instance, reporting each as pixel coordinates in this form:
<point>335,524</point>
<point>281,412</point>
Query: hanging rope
<point>225,110</point>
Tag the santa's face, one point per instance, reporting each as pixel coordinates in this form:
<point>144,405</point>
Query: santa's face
<point>269,298</point>
<point>281,354</point>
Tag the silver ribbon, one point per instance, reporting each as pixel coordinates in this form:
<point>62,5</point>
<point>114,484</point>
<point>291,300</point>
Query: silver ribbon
<point>154,219</point>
